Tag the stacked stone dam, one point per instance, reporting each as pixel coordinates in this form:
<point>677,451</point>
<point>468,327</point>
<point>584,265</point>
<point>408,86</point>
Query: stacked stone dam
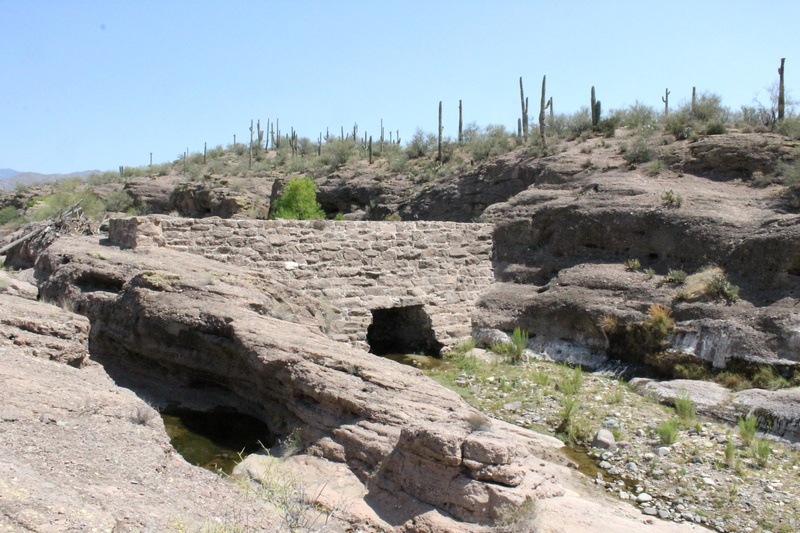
<point>355,267</point>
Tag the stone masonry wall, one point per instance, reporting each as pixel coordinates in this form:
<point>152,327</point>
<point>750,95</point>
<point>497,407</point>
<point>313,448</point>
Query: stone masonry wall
<point>355,267</point>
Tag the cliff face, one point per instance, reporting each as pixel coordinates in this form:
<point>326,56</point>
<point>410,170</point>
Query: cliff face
<point>561,252</point>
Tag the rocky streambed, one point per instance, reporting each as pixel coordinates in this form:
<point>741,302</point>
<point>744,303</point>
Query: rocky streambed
<point>710,474</point>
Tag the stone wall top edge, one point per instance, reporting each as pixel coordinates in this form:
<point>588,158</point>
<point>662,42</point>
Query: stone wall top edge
<point>380,224</point>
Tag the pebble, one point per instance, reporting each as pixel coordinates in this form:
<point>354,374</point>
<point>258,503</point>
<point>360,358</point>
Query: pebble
<point>605,465</point>
<point>650,511</point>
<point>662,451</point>
<point>611,423</point>
<point>663,514</point>
<point>644,497</point>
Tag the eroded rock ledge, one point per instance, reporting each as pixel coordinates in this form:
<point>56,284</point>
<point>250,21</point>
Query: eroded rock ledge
<point>182,327</point>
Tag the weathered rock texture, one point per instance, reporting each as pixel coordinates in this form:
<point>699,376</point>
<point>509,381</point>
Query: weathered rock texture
<point>350,268</point>
<point>561,245</point>
<point>158,325</point>
<point>78,453</point>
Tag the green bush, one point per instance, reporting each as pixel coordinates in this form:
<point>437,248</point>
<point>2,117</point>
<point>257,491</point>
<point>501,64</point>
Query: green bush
<point>513,350</point>
<point>671,199</point>
<point>118,201</point>
<point>762,451</point>
<point>678,277</point>
<point>721,289</point>
<point>668,432</point>
<point>9,214</point>
<point>639,152</point>
<point>299,201</point>
<point>66,194</point>
<point>767,378</point>
<point>790,126</point>
<point>493,141</point>
<point>639,117</point>
<point>421,144</point>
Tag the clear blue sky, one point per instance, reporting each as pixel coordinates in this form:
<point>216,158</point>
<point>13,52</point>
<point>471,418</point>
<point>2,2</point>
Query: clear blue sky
<point>98,84</point>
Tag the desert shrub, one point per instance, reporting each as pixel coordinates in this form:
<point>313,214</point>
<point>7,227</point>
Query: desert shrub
<point>100,178</point>
<point>672,199</point>
<point>118,201</point>
<point>639,152</point>
<point>715,127</point>
<point>478,421</point>
<point>299,201</point>
<point>677,277</point>
<point>667,432</point>
<point>517,518</point>
<point>633,264</point>
<point>747,428</point>
<point>578,123</point>
<point>684,407</point>
<point>9,215</point>
<point>708,108</point>
<point>66,194</point>
<point>493,141</point>
<point>421,144</point>
<point>654,168</point>
<point>639,117</point>
<point>790,126</point>
<point>719,288</point>
<point>767,378</point>
<point>736,381</point>
<point>678,125</point>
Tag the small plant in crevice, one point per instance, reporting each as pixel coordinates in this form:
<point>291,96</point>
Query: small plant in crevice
<point>518,518</point>
<point>671,199</point>
<point>478,421</point>
<point>678,277</point>
<point>633,264</point>
<point>719,288</point>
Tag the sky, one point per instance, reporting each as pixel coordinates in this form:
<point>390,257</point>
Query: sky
<point>98,84</point>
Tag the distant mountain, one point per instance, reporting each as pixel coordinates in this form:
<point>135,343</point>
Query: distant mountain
<point>11,178</point>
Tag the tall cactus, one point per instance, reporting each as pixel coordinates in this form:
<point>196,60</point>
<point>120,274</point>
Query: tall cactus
<point>781,93</point>
<point>524,103</point>
<point>694,100</point>
<point>440,131</point>
<point>460,124</point>
<point>665,99</point>
<point>542,107</point>
<point>595,111</point>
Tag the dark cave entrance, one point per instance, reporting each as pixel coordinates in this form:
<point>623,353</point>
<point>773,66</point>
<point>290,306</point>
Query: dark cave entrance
<point>402,330</point>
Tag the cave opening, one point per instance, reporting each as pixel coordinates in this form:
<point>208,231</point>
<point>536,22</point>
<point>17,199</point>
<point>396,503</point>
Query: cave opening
<point>402,330</point>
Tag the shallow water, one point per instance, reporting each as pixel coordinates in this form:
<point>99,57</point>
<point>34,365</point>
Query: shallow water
<point>423,362</point>
<point>215,440</point>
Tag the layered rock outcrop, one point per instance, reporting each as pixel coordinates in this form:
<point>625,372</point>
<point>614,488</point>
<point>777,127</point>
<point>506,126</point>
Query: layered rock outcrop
<point>160,326</point>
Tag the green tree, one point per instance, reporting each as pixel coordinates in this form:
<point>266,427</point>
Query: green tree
<point>299,201</point>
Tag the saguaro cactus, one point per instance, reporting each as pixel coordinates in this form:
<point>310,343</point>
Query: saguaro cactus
<point>694,99</point>
<point>595,111</point>
<point>781,93</point>
<point>542,107</point>
<point>524,103</point>
<point>440,131</point>
<point>460,124</point>
<point>665,99</point>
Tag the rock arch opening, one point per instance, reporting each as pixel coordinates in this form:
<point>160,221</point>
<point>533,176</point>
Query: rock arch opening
<point>398,330</point>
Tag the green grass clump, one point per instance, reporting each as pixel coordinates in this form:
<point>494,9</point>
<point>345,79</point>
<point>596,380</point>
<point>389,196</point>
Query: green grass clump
<point>572,383</point>
<point>668,432</point>
<point>685,408</point>
<point>762,450</point>
<point>513,351</point>
<point>747,429</point>
<point>633,264</point>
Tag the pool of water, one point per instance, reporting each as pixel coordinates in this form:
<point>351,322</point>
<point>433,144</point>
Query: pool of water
<point>423,362</point>
<point>215,440</point>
